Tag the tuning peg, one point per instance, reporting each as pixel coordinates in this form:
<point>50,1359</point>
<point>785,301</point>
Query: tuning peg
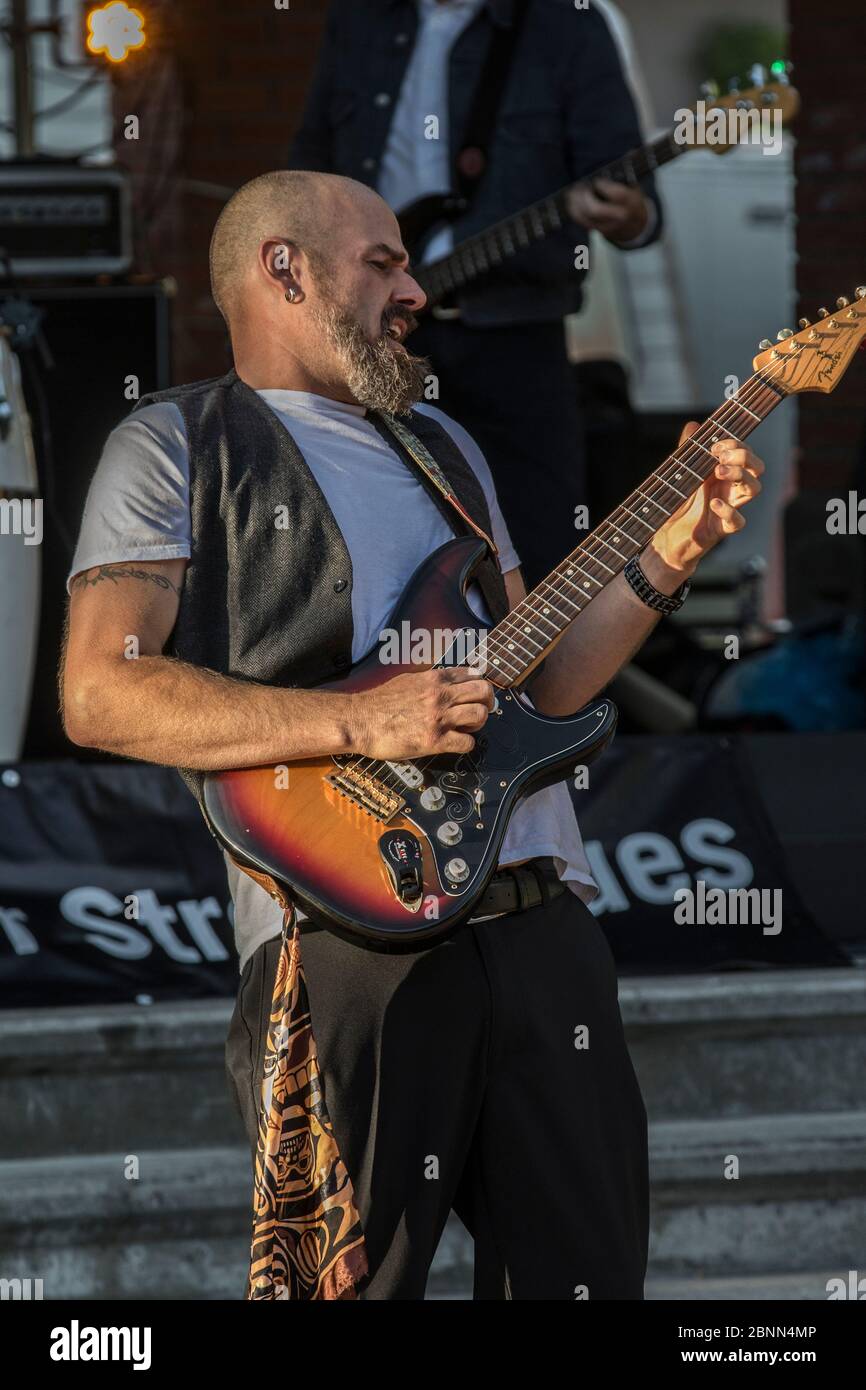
<point>764,344</point>
<point>861,291</point>
<point>784,333</point>
<point>805,323</point>
<point>842,302</point>
<point>709,90</point>
<point>757,75</point>
<point>822,313</point>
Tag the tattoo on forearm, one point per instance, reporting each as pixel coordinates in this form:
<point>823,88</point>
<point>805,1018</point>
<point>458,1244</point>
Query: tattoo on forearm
<point>115,572</point>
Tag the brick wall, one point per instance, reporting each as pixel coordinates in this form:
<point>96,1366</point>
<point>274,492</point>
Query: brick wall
<point>827,44</point>
<point>218,92</point>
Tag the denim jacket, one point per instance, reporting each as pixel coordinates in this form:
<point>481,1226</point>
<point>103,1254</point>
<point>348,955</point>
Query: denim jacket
<point>565,111</point>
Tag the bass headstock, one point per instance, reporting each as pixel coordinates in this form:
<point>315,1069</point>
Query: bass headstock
<point>768,92</point>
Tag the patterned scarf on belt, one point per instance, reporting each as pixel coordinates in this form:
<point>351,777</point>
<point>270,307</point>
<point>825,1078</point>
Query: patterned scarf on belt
<point>307,1236</point>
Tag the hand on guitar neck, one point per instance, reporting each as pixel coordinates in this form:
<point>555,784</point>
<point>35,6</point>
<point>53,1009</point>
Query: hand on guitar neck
<point>617,210</point>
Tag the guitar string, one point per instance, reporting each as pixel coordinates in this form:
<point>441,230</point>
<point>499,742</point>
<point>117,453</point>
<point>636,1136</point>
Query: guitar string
<point>752,390</point>
<point>637,160</point>
<point>757,385</point>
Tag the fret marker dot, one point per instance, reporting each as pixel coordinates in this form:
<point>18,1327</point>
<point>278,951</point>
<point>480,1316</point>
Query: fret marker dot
<point>545,610</point>
<point>678,476</point>
<point>616,540</point>
<point>511,646</point>
<point>586,583</point>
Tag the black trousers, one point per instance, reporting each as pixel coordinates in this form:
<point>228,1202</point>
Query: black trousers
<point>453,1080</point>
<point>515,392</point>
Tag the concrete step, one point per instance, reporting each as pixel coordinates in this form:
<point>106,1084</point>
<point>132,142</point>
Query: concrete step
<point>747,1043</point>
<point>799,1202</point>
<point>115,1078</point>
<point>102,1079</point>
<point>180,1230</point>
<point>804,1286</point>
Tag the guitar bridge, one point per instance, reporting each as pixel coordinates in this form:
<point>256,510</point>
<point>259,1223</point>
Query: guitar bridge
<point>368,793</point>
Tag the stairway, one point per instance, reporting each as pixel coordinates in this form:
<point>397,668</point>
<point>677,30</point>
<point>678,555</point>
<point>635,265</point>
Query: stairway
<point>124,1171</point>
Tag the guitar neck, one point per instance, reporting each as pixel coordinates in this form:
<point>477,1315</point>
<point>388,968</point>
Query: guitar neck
<point>497,244</point>
<point>523,639</point>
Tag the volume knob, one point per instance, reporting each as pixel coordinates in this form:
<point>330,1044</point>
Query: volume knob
<point>449,833</point>
<point>432,798</point>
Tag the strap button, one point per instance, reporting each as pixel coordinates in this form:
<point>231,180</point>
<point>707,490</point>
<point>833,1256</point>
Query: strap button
<point>339,585</point>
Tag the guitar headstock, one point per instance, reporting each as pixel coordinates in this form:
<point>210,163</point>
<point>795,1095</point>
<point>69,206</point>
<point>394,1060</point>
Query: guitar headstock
<point>767,93</point>
<point>816,358</point>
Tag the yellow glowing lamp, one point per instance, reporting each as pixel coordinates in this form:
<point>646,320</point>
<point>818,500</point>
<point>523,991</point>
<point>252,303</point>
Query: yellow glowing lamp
<point>115,30</point>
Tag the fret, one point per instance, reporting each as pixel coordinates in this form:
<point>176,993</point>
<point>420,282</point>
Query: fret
<point>548,604</point>
<point>682,495</point>
<point>700,477</point>
<point>519,228</point>
<point>608,546</point>
<point>510,248</point>
<point>511,646</point>
<point>595,560</point>
<point>590,577</point>
<point>493,251</point>
<point>498,661</point>
<point>740,406</point>
<point>481,258</point>
<point>536,222</point>
<point>542,617</point>
<point>637,518</point>
<point>554,214</point>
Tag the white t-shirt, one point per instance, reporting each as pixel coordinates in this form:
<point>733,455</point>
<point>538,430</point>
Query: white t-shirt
<point>138,509</point>
<point>417,155</point>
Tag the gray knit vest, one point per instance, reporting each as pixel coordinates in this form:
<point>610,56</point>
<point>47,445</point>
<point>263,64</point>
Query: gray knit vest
<point>274,605</point>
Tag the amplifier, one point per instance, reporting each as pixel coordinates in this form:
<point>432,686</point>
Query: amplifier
<point>64,220</point>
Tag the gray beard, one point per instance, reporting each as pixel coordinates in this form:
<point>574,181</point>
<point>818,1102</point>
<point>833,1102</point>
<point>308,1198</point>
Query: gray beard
<point>377,376</point>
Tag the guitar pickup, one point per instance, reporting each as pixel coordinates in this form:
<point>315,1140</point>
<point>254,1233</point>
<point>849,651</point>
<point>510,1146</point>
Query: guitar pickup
<point>401,854</point>
<point>409,774</point>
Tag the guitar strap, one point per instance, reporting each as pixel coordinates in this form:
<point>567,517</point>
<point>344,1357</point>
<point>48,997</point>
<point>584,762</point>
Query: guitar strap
<point>421,455</point>
<point>486,101</point>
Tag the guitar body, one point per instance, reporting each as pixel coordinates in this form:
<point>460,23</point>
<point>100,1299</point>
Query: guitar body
<point>399,859</point>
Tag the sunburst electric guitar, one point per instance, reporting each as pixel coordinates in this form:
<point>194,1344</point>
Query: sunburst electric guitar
<point>400,852</point>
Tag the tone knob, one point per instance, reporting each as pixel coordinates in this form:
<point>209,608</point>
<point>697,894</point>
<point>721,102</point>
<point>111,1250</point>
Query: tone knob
<point>457,870</point>
<point>432,798</point>
<point>449,833</point>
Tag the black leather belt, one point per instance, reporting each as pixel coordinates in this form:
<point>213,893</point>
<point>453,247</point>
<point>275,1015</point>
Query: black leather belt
<point>526,885</point>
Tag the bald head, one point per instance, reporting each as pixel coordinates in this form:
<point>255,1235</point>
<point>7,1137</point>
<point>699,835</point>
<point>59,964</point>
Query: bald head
<point>307,209</point>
